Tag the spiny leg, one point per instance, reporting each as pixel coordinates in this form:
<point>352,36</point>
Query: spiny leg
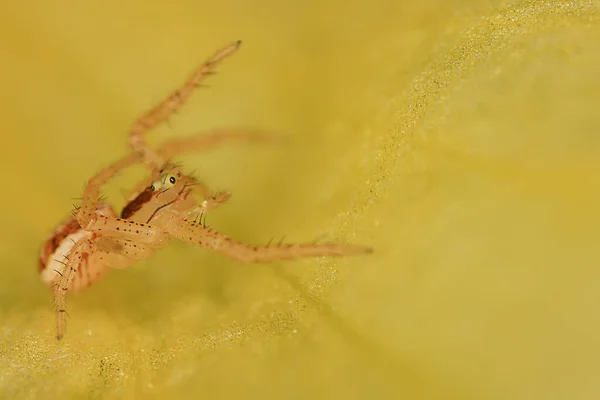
<point>78,254</point>
<point>219,243</point>
<point>114,252</point>
<point>150,119</point>
<point>197,143</point>
<point>162,111</point>
<point>91,194</point>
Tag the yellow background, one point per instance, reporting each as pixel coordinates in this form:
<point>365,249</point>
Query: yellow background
<point>459,138</point>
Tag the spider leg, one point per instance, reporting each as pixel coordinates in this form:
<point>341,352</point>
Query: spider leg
<point>206,141</point>
<point>78,255</point>
<point>118,228</point>
<point>91,193</point>
<point>220,243</point>
<point>156,159</point>
<point>162,111</point>
<point>107,252</point>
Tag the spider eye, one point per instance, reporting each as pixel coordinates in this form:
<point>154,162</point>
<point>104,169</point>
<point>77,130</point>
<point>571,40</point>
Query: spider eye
<point>172,180</point>
<point>155,186</point>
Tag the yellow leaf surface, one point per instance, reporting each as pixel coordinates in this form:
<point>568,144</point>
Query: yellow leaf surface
<point>459,138</point>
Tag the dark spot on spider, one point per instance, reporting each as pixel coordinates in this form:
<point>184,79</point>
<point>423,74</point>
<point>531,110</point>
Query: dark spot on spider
<point>172,180</point>
<point>137,203</point>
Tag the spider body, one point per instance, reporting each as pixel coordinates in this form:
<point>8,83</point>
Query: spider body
<point>163,206</point>
<point>52,261</point>
<point>146,207</point>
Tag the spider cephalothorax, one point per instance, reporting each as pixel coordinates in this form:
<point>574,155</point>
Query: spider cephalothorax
<point>171,190</point>
<point>164,206</point>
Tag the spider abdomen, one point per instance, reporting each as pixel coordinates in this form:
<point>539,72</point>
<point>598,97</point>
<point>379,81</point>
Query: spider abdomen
<point>55,250</point>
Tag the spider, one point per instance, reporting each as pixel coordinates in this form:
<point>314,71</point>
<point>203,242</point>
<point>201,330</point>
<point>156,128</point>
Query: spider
<point>162,207</point>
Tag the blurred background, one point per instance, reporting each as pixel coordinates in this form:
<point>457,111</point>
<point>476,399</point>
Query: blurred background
<point>458,138</point>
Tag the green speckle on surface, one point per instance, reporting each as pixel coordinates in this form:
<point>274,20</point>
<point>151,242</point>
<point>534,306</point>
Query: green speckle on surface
<point>458,138</point>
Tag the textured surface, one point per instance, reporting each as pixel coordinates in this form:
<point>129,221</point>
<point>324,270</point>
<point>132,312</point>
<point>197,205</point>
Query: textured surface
<point>459,138</point>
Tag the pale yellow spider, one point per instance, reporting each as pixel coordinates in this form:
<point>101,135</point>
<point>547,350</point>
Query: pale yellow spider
<point>163,206</point>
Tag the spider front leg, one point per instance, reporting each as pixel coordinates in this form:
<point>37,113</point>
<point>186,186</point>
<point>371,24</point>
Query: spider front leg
<point>162,111</point>
<point>220,243</point>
